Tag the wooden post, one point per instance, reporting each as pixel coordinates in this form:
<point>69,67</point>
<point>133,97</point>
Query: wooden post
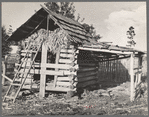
<point>4,64</point>
<point>43,65</point>
<point>131,77</point>
<point>139,65</point>
<point>117,70</point>
<point>43,69</point>
<point>4,72</point>
<point>56,69</point>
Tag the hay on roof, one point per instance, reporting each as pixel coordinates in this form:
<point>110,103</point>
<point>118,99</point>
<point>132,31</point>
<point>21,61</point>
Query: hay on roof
<point>53,39</point>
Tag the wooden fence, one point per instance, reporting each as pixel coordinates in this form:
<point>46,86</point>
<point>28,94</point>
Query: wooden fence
<point>112,72</point>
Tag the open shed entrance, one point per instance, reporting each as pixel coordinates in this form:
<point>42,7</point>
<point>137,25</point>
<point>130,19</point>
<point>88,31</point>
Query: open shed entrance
<point>114,67</point>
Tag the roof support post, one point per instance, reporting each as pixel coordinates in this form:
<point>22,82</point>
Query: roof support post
<point>131,77</point>
<point>139,71</point>
<point>43,65</point>
<point>139,65</point>
<point>4,71</point>
<point>43,71</point>
<point>48,17</point>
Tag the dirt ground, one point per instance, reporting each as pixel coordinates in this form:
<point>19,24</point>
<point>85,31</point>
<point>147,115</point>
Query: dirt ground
<point>95,102</point>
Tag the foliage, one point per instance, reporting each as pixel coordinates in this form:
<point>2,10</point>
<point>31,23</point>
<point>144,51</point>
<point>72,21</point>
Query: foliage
<point>5,45</point>
<point>91,30</point>
<point>67,9</point>
<point>64,8</point>
<point>131,34</point>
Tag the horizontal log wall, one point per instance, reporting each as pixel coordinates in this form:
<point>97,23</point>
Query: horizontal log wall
<point>67,69</point>
<point>88,70</point>
<point>68,65</point>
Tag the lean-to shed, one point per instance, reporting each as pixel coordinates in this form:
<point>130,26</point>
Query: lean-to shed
<point>69,58</point>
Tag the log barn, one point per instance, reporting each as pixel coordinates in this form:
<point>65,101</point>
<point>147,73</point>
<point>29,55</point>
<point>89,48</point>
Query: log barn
<point>57,54</point>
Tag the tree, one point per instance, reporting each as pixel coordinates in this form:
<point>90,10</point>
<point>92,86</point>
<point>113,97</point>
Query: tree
<point>91,30</point>
<point>5,45</point>
<point>67,9</point>
<point>64,8</point>
<point>131,34</point>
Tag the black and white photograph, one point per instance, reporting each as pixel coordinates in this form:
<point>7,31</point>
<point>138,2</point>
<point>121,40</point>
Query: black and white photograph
<point>74,58</point>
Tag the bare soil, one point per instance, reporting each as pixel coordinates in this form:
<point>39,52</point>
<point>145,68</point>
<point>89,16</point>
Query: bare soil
<point>95,102</point>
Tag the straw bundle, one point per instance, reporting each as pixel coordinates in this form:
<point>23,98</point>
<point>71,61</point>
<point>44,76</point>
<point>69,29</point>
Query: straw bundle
<point>53,39</point>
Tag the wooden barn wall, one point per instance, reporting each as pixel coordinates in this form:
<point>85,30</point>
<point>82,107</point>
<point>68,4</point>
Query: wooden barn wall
<point>60,75</point>
<point>88,69</point>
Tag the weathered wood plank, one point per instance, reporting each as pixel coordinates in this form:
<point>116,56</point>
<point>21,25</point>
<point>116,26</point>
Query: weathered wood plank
<point>132,77</point>
<point>43,69</point>
<point>90,62</point>
<point>50,65</point>
<point>64,78</point>
<point>84,84</point>
<point>4,72</point>
<point>49,72</point>
<point>26,60</point>
<point>56,61</point>
<point>24,51</point>
<point>68,72</point>
<point>87,78</point>
<point>87,69</point>
<point>87,74</point>
<point>48,88</point>
<point>103,50</point>
<point>7,78</point>
<point>67,61</point>
<point>102,71</point>
<point>116,71</point>
<point>60,66</point>
<point>68,55</point>
<point>65,83</point>
<point>69,51</point>
<point>86,64</point>
<point>28,65</point>
<point>23,54</point>
<point>110,73</point>
<point>27,81</point>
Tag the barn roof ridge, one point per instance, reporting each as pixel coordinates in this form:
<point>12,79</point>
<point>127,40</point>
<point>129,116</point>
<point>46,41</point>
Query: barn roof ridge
<point>72,27</point>
<point>37,20</point>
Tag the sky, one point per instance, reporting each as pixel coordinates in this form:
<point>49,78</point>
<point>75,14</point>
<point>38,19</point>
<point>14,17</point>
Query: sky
<point>110,19</point>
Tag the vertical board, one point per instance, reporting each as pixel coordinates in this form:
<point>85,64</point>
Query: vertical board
<point>4,72</point>
<point>110,73</point>
<point>56,69</point>
<point>132,77</point>
<point>43,69</point>
<point>116,70</point>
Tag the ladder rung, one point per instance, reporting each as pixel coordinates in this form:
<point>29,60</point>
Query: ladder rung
<point>16,84</point>
<point>24,73</point>
<point>29,51</point>
<point>26,61</point>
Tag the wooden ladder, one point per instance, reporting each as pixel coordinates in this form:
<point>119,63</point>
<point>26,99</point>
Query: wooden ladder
<point>20,84</point>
